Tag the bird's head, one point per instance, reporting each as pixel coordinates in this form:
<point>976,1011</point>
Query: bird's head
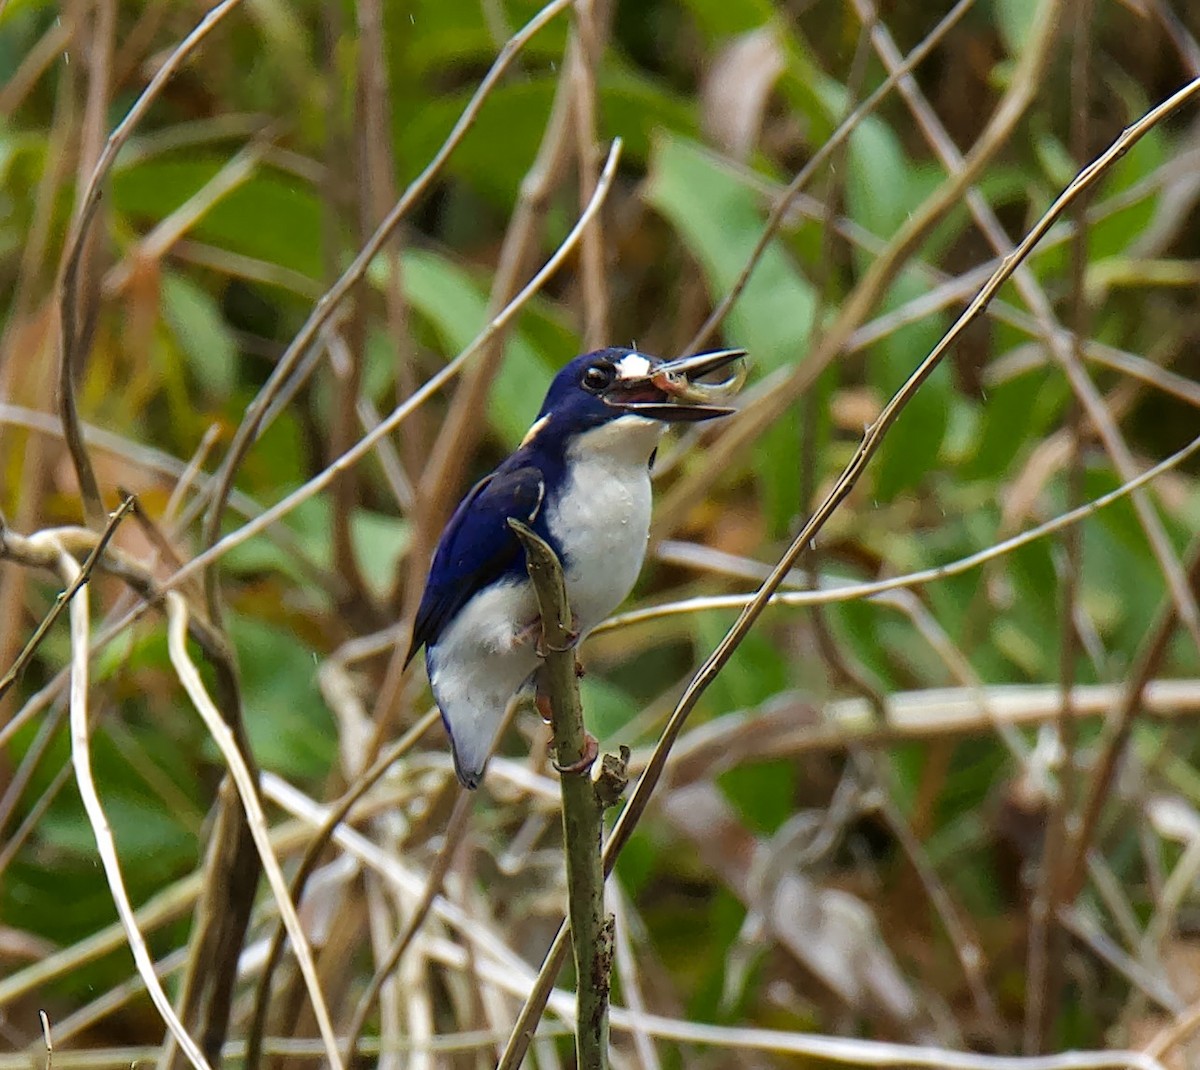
<point>604,386</point>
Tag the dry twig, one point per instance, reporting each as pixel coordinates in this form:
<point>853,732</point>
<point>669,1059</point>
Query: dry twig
<point>875,433</point>
<point>71,357</point>
<point>105,845</point>
<point>223,735</point>
<point>255,416</point>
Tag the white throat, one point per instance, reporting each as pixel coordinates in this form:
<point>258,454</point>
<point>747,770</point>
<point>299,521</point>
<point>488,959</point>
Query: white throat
<point>627,440</point>
<point>601,515</point>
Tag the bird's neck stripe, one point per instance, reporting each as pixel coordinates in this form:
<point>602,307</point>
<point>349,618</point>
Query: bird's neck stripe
<point>531,434</point>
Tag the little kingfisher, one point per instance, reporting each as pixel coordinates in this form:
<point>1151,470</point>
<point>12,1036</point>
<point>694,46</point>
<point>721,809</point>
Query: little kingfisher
<point>581,480</point>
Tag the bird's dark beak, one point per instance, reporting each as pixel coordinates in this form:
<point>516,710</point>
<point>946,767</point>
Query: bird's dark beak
<point>670,391</point>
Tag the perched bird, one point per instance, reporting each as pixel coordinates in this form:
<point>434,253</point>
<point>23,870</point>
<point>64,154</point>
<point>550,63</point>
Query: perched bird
<point>581,480</point>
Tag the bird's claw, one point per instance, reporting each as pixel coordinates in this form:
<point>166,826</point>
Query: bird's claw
<point>531,633</point>
<point>543,648</point>
<point>534,631</point>
<point>541,698</point>
<point>591,748</point>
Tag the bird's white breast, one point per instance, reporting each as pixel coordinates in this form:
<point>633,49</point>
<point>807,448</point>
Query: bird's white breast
<point>601,515</point>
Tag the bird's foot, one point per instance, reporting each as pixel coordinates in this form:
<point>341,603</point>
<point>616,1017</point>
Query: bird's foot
<point>530,633</point>
<point>573,638</point>
<point>533,632</point>
<point>541,697</point>
<point>591,748</point>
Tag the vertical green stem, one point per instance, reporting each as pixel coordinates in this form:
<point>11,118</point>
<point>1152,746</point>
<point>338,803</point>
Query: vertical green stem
<point>583,809</point>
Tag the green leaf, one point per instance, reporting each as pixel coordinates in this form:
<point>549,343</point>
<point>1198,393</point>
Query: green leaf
<point>637,863</point>
<point>764,794</point>
<point>1014,19</point>
<point>270,217</point>
<point>881,193</point>
<point>202,333</point>
<point>278,459</point>
<point>609,709</point>
<point>309,524</point>
<point>911,448</point>
<point>1031,570</point>
<point>1014,413</point>
<point>290,728</point>
<point>755,672</point>
<point>856,625</point>
<point>433,35</point>
<point>379,543</point>
<point>639,109</point>
<point>777,465</point>
<point>23,10</point>
<point>724,18</point>
<point>720,222</point>
<point>497,152</point>
<point>456,306</point>
<point>1118,562</point>
<point>879,189</point>
<point>145,831</point>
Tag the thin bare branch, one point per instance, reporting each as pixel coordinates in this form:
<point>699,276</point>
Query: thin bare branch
<point>1118,726</point>
<point>873,438</point>
<point>456,827</point>
<point>1045,951</point>
<point>784,202</point>
<point>223,735</point>
<point>586,48</point>
<point>70,356</point>
<point>308,865</point>
<point>853,591</point>
<point>105,845</point>
<point>63,600</point>
<point>255,417</point>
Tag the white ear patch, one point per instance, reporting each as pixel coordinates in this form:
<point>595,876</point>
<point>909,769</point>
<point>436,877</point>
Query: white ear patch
<point>633,366</point>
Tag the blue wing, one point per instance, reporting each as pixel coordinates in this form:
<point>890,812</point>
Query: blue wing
<point>477,547</point>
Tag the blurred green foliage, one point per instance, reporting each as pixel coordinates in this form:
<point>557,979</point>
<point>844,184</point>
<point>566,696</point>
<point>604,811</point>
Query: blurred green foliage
<point>186,340</point>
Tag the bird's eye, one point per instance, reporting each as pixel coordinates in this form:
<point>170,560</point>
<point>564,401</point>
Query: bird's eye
<point>597,377</point>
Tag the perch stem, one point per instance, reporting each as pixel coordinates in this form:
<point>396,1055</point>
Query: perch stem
<point>582,806</point>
